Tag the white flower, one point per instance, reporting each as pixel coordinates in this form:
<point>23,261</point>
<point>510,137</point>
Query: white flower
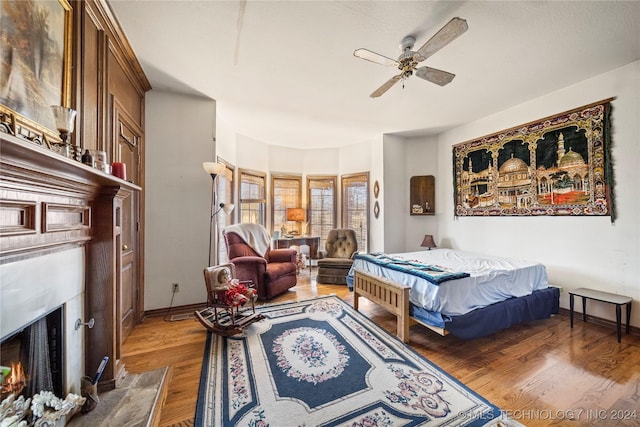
<point>45,399</point>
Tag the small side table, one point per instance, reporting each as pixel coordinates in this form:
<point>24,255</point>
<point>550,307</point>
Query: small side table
<point>618,300</point>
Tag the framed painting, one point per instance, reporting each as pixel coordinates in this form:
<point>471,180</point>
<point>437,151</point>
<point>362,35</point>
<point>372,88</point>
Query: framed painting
<point>558,165</point>
<point>35,61</point>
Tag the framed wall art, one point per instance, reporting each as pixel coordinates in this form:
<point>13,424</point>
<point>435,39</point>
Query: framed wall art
<point>35,61</point>
<point>558,165</point>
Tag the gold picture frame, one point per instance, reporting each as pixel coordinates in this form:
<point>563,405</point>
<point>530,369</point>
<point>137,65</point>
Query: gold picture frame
<point>36,45</point>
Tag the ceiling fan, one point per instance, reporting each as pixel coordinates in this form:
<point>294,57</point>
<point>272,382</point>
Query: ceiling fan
<point>408,60</point>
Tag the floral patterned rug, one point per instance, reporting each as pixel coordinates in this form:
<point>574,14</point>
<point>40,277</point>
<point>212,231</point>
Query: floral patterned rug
<point>320,363</point>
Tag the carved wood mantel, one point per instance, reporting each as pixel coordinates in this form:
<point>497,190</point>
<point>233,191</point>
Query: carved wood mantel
<point>50,203</point>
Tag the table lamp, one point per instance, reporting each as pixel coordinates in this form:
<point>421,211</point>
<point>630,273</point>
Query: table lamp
<point>297,215</point>
<point>428,242</point>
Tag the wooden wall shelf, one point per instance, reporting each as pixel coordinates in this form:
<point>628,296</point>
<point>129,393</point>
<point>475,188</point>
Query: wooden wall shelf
<point>422,195</point>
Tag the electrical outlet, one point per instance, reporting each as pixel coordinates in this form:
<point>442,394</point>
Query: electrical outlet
<point>175,287</point>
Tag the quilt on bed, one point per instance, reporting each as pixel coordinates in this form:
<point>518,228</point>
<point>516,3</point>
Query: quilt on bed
<point>429,272</point>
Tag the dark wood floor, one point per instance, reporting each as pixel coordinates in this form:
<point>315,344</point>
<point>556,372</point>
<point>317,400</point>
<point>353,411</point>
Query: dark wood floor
<point>543,373</point>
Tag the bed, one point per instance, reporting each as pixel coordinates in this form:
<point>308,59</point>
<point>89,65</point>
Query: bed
<point>454,292</point>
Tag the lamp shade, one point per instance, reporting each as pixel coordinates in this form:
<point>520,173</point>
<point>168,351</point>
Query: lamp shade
<point>65,118</point>
<point>213,168</point>
<point>295,214</point>
<point>227,207</point>
<point>428,242</point>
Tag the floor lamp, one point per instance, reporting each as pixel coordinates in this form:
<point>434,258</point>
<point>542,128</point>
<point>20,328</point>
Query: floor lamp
<point>214,169</point>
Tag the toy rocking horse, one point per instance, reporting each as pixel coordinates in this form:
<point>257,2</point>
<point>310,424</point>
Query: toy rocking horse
<point>226,313</point>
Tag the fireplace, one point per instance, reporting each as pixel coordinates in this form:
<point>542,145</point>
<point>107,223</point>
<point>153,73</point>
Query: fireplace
<point>60,232</point>
<point>36,357</point>
<point>50,288</point>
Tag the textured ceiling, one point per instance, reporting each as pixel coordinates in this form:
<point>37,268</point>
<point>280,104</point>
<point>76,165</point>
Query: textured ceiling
<point>283,72</point>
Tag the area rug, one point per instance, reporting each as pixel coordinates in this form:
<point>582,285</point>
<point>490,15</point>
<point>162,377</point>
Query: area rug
<point>320,363</point>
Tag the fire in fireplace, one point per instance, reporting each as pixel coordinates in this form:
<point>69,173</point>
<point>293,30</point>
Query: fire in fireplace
<point>35,356</point>
<point>14,381</point>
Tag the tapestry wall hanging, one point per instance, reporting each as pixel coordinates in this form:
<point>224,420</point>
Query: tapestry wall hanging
<point>559,165</point>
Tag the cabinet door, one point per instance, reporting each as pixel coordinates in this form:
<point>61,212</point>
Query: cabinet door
<point>128,290</point>
<point>127,143</point>
<point>126,149</point>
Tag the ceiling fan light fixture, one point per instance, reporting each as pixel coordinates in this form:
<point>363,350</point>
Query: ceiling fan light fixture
<point>408,60</point>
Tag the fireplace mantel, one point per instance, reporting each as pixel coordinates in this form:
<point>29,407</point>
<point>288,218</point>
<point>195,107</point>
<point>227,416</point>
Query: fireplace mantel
<point>48,204</point>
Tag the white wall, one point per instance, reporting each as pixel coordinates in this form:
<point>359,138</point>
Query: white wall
<point>225,139</point>
<point>421,159</point>
<point>394,195</point>
<point>249,153</point>
<point>320,162</point>
<point>179,137</point>
<point>377,173</point>
<point>578,251</point>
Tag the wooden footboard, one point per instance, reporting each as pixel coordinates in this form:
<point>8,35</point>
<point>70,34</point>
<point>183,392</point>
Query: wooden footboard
<point>393,297</point>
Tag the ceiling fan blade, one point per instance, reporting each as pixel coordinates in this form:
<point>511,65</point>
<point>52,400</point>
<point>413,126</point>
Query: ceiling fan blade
<point>434,75</point>
<point>374,57</point>
<point>446,35</point>
<point>386,86</point>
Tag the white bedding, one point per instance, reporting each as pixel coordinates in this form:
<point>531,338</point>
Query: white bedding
<point>492,279</point>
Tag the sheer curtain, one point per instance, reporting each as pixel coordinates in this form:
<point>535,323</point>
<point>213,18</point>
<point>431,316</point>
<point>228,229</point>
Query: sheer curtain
<point>39,365</point>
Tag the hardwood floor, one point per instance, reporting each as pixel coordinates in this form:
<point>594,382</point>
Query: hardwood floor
<point>543,373</point>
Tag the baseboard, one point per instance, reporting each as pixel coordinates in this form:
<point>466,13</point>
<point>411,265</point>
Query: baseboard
<point>577,317</point>
<point>181,309</point>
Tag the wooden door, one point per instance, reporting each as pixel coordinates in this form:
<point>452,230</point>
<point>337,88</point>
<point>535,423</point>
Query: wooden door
<point>126,149</point>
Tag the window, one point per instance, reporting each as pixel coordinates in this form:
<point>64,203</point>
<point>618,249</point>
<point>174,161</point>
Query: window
<point>355,206</point>
<point>286,192</point>
<point>252,197</point>
<point>321,196</point>
<point>224,190</point>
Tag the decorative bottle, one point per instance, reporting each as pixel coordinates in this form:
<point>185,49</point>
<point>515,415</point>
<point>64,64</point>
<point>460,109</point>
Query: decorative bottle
<point>87,158</point>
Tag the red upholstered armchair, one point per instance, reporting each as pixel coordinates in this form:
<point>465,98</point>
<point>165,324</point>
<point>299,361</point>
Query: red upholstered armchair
<point>272,271</point>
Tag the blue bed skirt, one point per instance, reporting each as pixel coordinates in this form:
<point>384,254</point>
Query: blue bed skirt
<point>484,321</point>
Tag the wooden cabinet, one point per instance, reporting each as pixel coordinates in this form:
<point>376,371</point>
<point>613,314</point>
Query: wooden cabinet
<point>110,100</point>
<point>312,242</point>
<point>107,88</point>
<point>52,203</point>
<point>422,195</point>
<point>127,148</point>
<point>128,261</point>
